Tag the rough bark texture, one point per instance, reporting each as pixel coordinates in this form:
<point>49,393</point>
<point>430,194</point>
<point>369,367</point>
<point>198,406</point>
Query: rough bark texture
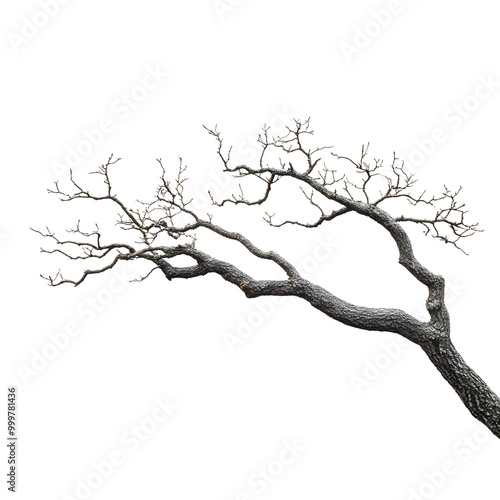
<point>158,220</point>
<point>480,400</point>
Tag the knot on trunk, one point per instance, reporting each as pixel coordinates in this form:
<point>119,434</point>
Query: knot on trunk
<point>433,304</point>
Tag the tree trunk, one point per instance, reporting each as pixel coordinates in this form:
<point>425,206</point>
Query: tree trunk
<point>481,401</point>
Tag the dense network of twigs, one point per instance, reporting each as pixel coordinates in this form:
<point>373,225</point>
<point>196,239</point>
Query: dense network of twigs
<point>165,227</point>
<point>369,184</point>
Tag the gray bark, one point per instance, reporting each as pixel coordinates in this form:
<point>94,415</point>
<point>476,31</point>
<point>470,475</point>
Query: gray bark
<point>158,219</point>
<point>479,399</point>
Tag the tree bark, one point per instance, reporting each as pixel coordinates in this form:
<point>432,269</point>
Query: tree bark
<point>165,216</point>
<point>479,399</point>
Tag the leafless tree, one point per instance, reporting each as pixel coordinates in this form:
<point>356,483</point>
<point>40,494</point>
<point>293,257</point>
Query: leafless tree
<point>166,226</point>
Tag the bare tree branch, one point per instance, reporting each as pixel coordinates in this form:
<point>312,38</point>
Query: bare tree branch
<point>167,227</point>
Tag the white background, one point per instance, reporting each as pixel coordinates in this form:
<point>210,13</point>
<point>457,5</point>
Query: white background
<point>292,378</point>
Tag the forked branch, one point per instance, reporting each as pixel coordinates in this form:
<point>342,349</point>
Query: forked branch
<point>167,226</point>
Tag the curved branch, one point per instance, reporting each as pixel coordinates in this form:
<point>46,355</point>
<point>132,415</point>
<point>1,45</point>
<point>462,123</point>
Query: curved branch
<point>396,189</point>
<point>363,190</point>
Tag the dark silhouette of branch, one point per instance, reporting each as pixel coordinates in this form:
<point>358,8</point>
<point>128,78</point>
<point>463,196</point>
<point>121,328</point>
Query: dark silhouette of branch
<point>334,185</point>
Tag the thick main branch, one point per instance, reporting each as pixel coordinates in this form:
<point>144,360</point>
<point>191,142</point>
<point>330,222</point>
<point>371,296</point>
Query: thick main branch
<point>166,229</point>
